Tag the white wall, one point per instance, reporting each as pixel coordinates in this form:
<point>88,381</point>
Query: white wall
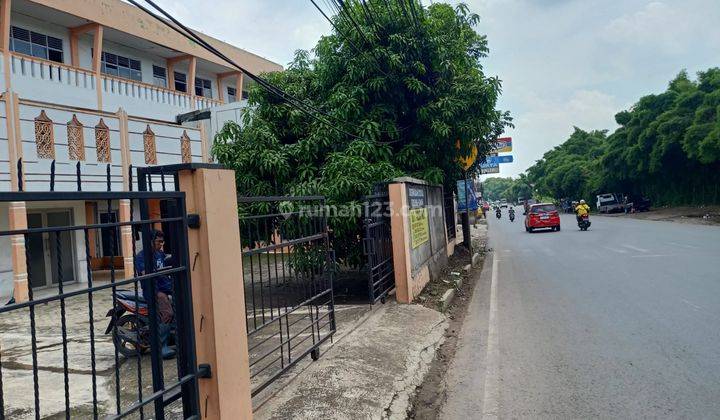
<point>4,162</point>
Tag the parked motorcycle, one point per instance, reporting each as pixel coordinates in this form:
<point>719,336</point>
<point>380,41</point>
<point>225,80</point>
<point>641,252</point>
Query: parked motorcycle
<point>584,222</point>
<point>130,325</point>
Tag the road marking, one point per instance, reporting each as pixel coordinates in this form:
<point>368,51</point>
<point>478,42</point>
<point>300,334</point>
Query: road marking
<point>684,245</point>
<point>651,256</point>
<point>619,251</point>
<point>490,397</point>
<point>691,304</point>
<point>634,248</point>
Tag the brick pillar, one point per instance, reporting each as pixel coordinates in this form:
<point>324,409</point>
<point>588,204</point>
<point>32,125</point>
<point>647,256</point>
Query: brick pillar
<point>18,221</point>
<point>126,239</point>
<point>217,293</point>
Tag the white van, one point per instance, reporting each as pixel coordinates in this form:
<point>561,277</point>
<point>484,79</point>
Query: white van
<point>610,203</point>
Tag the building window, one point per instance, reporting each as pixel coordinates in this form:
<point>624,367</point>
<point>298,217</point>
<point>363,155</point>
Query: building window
<point>44,138</point>
<point>232,92</point>
<point>76,140</point>
<point>180,82</point>
<point>36,44</point>
<point>159,76</point>
<point>117,65</point>
<point>203,87</point>
<point>149,146</point>
<point>244,94</point>
<point>185,147</point>
<point>102,142</point>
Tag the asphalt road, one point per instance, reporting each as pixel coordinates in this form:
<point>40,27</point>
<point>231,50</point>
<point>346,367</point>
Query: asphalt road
<point>621,321</point>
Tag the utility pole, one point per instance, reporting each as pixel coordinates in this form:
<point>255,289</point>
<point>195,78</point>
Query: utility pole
<point>466,217</point>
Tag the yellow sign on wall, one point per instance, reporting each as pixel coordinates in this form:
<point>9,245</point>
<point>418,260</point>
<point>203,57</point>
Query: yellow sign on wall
<point>419,227</point>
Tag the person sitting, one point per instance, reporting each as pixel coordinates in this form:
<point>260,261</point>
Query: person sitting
<point>581,210</point>
<point>163,290</point>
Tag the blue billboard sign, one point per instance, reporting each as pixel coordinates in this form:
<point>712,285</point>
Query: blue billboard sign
<point>466,188</point>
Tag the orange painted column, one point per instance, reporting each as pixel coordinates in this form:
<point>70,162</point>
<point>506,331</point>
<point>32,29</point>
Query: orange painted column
<point>401,242</point>
<point>154,212</point>
<point>18,221</point>
<point>126,239</point>
<point>218,295</point>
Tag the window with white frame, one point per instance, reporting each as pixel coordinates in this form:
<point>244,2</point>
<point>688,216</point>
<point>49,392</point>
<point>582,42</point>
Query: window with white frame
<point>159,76</point>
<point>36,44</point>
<point>180,82</point>
<point>203,87</point>
<point>117,65</point>
<point>232,94</point>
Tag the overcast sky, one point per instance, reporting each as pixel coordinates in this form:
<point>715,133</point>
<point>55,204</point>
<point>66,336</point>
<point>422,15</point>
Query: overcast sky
<point>562,62</point>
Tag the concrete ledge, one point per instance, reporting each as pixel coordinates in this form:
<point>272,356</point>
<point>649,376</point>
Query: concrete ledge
<point>446,299</point>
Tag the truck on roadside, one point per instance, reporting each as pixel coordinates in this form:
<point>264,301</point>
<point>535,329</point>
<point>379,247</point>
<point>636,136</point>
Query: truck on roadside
<point>610,203</point>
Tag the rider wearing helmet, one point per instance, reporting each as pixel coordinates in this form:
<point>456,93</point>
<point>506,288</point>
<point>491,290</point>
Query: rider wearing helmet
<point>582,209</point>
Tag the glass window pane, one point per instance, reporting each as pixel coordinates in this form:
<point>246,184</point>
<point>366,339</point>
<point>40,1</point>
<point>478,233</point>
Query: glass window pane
<point>39,51</point>
<point>160,81</point>
<point>123,61</point>
<point>134,64</point>
<point>39,39</point>
<point>136,75</point>
<point>23,47</point>
<point>180,86</point>
<point>55,43</point>
<point>20,33</point>
<point>199,91</point>
<point>124,72</point>
<point>179,77</point>
<point>55,56</point>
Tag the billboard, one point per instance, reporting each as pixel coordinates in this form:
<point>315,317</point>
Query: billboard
<point>503,145</point>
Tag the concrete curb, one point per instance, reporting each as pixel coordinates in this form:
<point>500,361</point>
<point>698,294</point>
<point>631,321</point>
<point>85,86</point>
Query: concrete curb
<point>475,259</point>
<point>446,299</point>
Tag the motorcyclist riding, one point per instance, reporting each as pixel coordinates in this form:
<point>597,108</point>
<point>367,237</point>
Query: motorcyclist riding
<point>511,213</point>
<point>581,210</point>
<point>498,213</point>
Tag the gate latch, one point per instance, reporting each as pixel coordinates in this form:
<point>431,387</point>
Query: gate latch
<point>204,371</point>
<point>193,221</point>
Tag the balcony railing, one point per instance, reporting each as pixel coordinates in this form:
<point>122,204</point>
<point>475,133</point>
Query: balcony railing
<point>136,97</point>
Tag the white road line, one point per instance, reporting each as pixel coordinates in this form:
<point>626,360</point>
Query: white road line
<point>652,256</point>
<point>683,245</point>
<point>691,304</point>
<point>490,397</point>
<point>619,251</point>
<point>634,248</point>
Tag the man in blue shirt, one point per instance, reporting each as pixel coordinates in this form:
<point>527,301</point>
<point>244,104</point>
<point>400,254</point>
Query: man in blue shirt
<point>163,290</point>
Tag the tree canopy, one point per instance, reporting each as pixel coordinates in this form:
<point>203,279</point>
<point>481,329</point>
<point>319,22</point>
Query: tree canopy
<point>666,148</point>
<point>398,85</point>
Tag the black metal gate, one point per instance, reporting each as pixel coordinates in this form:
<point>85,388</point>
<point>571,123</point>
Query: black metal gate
<point>81,364</point>
<point>288,269</point>
<point>377,246</point>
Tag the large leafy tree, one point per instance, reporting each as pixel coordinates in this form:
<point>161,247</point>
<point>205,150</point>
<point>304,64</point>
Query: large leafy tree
<point>667,148</point>
<point>398,85</point>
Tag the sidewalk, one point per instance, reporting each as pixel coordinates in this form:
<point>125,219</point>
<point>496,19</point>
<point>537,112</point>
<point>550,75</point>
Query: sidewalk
<point>371,372</point>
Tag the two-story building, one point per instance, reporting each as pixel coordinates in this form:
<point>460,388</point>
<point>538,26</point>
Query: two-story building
<point>89,85</point>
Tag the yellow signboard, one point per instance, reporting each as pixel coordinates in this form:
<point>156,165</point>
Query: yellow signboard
<point>467,161</point>
<point>419,227</point>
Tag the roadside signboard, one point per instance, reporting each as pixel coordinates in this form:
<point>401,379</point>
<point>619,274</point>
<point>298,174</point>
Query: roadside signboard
<point>471,195</point>
<point>492,161</point>
<point>490,170</point>
<point>503,145</point>
<point>467,161</point>
<point>419,227</point>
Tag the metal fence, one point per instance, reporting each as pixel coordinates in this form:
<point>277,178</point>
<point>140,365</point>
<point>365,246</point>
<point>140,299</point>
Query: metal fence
<point>377,246</point>
<point>60,357</point>
<point>450,214</point>
<point>288,268</point>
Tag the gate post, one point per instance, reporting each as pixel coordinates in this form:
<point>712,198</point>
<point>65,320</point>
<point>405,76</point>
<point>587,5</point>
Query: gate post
<point>217,292</point>
<point>18,221</point>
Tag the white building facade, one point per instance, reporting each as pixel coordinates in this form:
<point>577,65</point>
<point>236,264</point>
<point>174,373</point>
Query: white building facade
<point>66,107</point>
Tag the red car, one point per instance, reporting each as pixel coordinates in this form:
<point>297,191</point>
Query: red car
<point>541,216</point>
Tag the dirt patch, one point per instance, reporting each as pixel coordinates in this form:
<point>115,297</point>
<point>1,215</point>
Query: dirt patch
<point>702,215</point>
<point>429,396</point>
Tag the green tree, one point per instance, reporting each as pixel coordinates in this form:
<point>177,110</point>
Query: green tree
<point>399,84</point>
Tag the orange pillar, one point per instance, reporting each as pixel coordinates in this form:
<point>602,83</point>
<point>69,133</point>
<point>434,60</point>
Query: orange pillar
<point>18,221</point>
<point>126,239</point>
<point>217,293</point>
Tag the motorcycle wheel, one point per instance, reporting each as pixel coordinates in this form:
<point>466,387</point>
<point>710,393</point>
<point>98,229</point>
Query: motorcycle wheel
<point>129,325</point>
